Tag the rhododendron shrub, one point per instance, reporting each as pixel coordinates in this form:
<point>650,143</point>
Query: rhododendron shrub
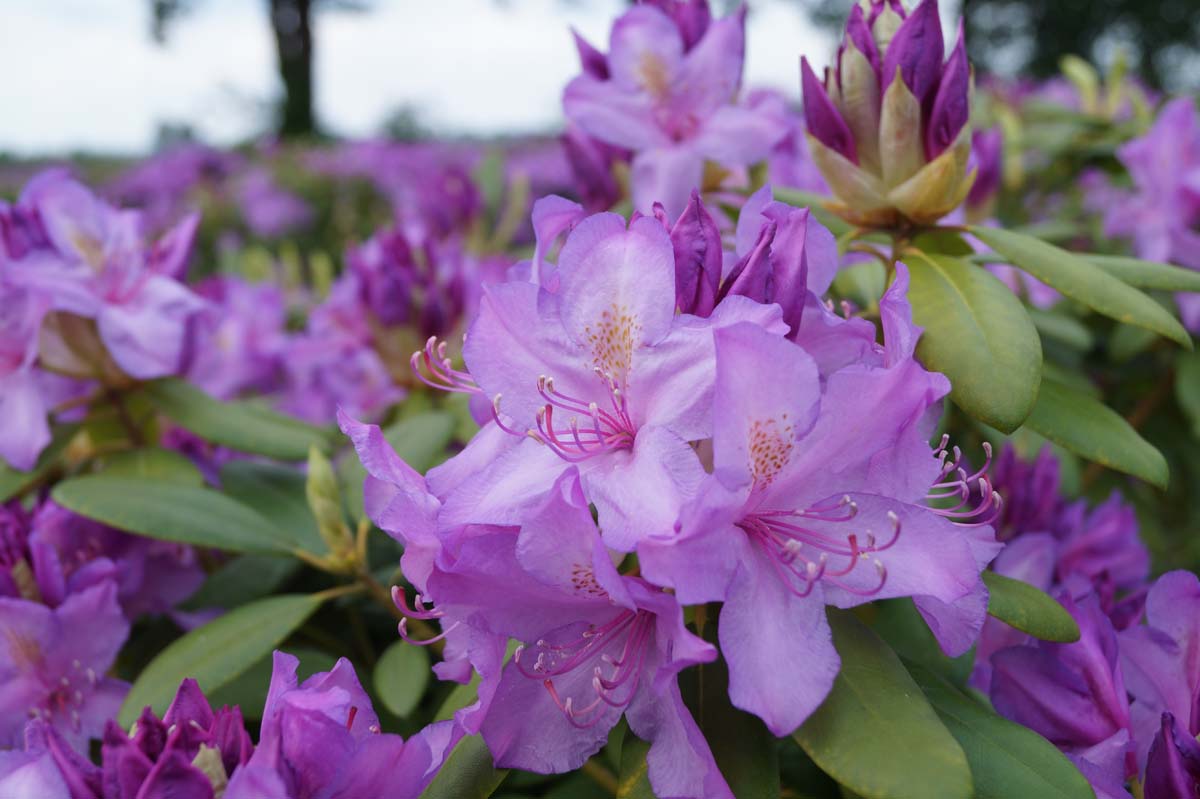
<point>717,448</point>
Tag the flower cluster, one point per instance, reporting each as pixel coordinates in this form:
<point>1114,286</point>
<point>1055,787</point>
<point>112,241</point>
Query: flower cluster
<point>320,738</point>
<point>666,433</point>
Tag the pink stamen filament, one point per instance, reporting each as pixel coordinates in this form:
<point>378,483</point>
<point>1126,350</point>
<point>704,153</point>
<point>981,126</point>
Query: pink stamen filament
<point>443,376</point>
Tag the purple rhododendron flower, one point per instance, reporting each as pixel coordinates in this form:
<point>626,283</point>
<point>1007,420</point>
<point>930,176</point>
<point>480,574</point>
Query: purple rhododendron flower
<point>321,739</point>
<point>1073,695</point>
<point>667,90</point>
<point>239,340</point>
<point>53,663</point>
<point>270,210</point>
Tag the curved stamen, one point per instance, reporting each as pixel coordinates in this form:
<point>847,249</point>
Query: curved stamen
<point>419,610</point>
<point>403,628</point>
<point>442,375</point>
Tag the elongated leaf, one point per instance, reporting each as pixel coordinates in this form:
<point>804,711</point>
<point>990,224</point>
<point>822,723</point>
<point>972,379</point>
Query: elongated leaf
<point>276,492</point>
<point>1063,328</point>
<point>401,676</point>
<point>420,440</point>
<point>249,689</point>
<point>875,733</point>
<point>243,579</point>
<point>1147,274</point>
<point>1007,760</point>
<point>1028,609</point>
<point>978,334</point>
<point>152,464</point>
<point>634,780</point>
<point>219,651</point>
<point>1083,281</point>
<point>468,773</point>
<point>1087,427</point>
<point>237,425</point>
<point>171,512</point>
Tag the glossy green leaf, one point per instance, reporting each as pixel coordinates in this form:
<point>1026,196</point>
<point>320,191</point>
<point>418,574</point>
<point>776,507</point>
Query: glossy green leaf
<point>1087,427</point>
<point>277,492</point>
<point>978,334</point>
<point>1083,281</point>
<point>875,733</point>
<point>238,425</point>
<point>400,676</point>
<point>420,440</point>
<point>1147,274</point>
<point>171,512</point>
<point>1030,610</point>
<point>633,782</point>
<point>1187,388</point>
<point>153,463</point>
<point>1007,760</point>
<point>219,651</point>
<point>243,579</point>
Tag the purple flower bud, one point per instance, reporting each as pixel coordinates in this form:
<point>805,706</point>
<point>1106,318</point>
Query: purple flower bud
<point>1173,767</point>
<point>592,60</point>
<point>697,244</point>
<point>858,34</point>
<point>987,158</point>
<point>822,117</point>
<point>751,277</point>
<point>952,105</point>
<point>878,7</point>
<point>917,51</point>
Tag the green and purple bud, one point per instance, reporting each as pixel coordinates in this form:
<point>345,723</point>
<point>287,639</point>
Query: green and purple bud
<point>889,124</point>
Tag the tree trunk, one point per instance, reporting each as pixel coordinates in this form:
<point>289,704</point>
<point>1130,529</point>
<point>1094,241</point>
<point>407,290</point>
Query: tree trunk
<point>291,23</point>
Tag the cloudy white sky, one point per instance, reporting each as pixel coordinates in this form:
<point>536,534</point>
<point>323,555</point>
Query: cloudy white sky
<point>85,74</point>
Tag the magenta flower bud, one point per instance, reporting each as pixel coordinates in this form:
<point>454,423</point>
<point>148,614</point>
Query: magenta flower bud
<point>1173,767</point>
<point>951,105</point>
<point>917,51</point>
<point>593,61</point>
<point>692,17</point>
<point>858,35</point>
<point>824,120</point>
<point>697,244</point>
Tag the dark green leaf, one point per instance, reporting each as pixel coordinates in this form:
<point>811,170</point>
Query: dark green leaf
<point>468,773</point>
<point>898,622</point>
<point>242,579</point>
<point>634,780</point>
<point>219,651</point>
<point>276,492</point>
<point>152,464</point>
<point>1087,427</point>
<point>1128,341</point>
<point>1147,274</point>
<point>1060,327</point>
<point>171,512</point>
<point>420,440</point>
<point>238,425</point>
<point>401,676</point>
<point>1187,388</point>
<point>1030,610</point>
<point>875,733</point>
<point>1007,760</point>
<point>978,334</point>
<point>1083,281</point>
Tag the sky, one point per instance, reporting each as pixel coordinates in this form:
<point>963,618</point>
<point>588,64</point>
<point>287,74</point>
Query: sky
<point>86,75</point>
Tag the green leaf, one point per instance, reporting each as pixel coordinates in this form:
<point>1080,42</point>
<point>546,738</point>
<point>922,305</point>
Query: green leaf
<point>1087,427</point>
<point>238,425</point>
<point>1147,274</point>
<point>899,623</point>
<point>864,283</point>
<point>875,733</point>
<point>634,780</point>
<point>1083,281</point>
<point>153,463</point>
<point>401,676</point>
<point>171,512</point>
<point>218,652</point>
<point>243,579</point>
<point>420,440</point>
<point>249,689</point>
<point>1128,341</point>
<point>1007,759</point>
<point>277,492</point>
<point>468,773</point>
<point>14,482</point>
<point>1187,388</point>
<point>1028,609</point>
<point>1063,328</point>
<point>978,334</point>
